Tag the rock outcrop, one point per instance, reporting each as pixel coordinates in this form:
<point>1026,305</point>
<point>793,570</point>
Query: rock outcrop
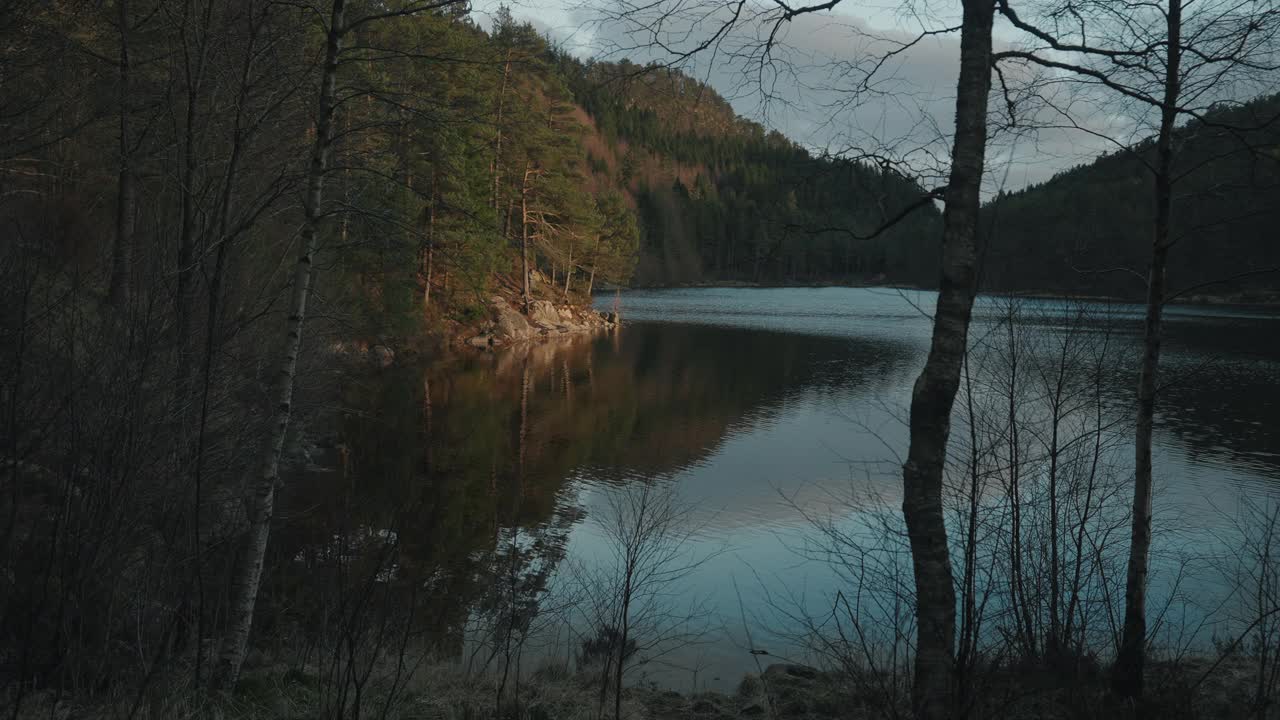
<point>507,325</point>
<point>544,313</point>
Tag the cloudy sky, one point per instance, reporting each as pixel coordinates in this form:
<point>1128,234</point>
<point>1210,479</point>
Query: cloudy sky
<point>812,88</point>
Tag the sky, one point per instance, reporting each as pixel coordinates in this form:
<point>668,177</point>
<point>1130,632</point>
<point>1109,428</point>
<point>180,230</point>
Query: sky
<point>809,94</point>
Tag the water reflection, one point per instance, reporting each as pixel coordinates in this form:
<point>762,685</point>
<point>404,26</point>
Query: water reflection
<point>762,406</point>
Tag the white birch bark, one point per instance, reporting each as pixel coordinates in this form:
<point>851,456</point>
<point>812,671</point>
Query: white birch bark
<point>261,498</point>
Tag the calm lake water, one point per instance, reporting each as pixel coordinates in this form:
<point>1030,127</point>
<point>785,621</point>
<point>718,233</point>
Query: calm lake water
<point>765,409</point>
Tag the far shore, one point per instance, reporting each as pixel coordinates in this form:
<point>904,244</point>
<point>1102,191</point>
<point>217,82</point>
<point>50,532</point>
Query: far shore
<point>1270,299</point>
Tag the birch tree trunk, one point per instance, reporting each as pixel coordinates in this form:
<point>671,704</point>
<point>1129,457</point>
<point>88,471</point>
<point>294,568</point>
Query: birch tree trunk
<point>935,389</point>
<point>595,257</point>
<point>568,275</point>
<point>1126,679</point>
<point>248,572</point>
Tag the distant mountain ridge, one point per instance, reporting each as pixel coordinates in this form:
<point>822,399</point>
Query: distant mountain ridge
<point>720,198</point>
<point>1087,230</point>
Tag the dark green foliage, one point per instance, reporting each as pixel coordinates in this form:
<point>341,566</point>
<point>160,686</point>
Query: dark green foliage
<point>594,171</point>
<point>1087,230</point>
<point>591,172</point>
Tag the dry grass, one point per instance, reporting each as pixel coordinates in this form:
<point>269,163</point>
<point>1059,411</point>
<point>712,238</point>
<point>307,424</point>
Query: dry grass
<point>442,691</point>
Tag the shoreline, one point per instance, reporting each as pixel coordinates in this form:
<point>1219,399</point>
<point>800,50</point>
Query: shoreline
<point>1272,300</point>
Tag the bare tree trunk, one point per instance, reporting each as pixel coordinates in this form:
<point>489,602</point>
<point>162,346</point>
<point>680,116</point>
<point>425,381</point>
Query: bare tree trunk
<point>194,75</point>
<point>969,619</point>
<point>1126,679</point>
<point>344,224</point>
<point>1017,590</point>
<point>624,634</point>
<point>568,275</point>
<point>431,246</point>
<point>122,253</point>
<point>1083,521</point>
<point>524,235</point>
<point>935,390</point>
<point>591,279</point>
<point>497,140</point>
<point>248,573</point>
<point>223,238</point>
<point>1055,642</point>
<point>605,676</point>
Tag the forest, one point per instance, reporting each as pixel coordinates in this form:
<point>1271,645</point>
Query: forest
<point>1072,233</point>
<point>182,179</point>
<point>311,406</point>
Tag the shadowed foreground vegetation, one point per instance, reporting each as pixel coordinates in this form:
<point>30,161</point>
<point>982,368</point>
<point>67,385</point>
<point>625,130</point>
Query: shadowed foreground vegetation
<point>234,482</point>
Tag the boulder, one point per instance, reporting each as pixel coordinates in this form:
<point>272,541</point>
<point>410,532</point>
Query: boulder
<point>509,323</point>
<point>543,312</point>
<point>541,318</point>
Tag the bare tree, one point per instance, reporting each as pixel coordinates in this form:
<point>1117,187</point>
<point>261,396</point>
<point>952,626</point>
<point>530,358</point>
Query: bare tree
<point>632,615</point>
<point>934,393</point>
<point>1160,59</point>
<point>1036,375</point>
<point>935,390</point>
<point>1255,575</point>
<point>248,575</point>
<point>261,496</point>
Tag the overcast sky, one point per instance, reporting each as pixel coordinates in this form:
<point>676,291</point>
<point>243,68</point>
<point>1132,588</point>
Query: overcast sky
<point>809,93</point>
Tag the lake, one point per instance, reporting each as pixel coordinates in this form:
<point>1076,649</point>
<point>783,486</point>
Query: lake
<point>770,414</point>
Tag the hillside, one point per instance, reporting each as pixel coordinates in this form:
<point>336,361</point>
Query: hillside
<point>593,173</point>
<point>1084,230</point>
<point>720,198</point>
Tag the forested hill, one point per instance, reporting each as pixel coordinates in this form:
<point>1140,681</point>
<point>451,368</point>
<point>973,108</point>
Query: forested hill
<point>720,198</point>
<point>1087,230</point>
<point>459,156</point>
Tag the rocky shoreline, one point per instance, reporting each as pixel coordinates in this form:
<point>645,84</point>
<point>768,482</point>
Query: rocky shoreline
<point>507,325</point>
